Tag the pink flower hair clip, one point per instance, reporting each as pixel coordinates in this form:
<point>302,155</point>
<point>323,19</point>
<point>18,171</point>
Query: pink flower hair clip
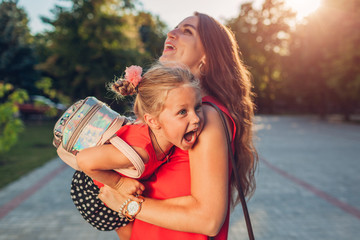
<point>133,74</point>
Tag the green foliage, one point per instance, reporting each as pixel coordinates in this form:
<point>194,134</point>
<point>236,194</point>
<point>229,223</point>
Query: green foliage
<point>151,31</point>
<point>324,60</point>
<point>28,153</point>
<point>262,37</point>
<point>94,41</point>
<point>312,67</point>
<point>342,61</point>
<point>10,125</point>
<point>46,86</point>
<point>17,59</point>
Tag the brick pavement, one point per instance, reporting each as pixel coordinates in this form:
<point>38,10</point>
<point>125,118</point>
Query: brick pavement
<point>307,188</point>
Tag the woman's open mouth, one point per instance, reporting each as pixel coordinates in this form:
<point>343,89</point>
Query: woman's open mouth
<point>169,47</point>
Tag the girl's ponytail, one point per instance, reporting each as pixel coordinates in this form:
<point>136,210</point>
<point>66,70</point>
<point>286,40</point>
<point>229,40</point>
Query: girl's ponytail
<point>123,88</point>
<point>128,85</point>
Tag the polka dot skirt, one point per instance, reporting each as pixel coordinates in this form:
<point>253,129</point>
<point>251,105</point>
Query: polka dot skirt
<point>84,195</point>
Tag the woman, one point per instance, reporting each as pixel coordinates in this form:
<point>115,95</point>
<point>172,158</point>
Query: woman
<point>199,208</point>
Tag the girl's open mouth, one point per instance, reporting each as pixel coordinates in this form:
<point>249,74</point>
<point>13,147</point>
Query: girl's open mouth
<point>190,137</point>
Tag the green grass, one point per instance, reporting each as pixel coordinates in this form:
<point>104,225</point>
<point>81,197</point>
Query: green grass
<point>33,149</point>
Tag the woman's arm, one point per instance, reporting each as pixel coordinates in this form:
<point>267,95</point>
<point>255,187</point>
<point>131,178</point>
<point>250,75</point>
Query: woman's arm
<point>98,163</point>
<point>208,202</point>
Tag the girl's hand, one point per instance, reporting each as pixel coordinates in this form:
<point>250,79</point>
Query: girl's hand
<point>129,188</point>
<point>112,198</point>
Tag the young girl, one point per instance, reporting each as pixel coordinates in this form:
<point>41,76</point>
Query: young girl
<point>168,105</point>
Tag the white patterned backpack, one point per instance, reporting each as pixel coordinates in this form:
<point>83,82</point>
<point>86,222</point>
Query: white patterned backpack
<point>90,122</point>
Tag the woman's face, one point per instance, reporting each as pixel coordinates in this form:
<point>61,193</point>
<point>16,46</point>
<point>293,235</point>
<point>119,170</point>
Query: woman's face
<point>183,45</point>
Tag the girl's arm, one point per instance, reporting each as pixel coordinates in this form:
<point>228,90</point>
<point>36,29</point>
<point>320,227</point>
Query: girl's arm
<point>205,209</point>
<point>98,163</point>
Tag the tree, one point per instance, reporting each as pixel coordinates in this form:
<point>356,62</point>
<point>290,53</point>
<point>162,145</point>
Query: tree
<point>342,58</point>
<point>324,61</point>
<point>10,125</point>
<point>94,41</point>
<point>151,31</point>
<point>304,71</point>
<point>16,70</point>
<point>262,37</point>
<point>17,59</point>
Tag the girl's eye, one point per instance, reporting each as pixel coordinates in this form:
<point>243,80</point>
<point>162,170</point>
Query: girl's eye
<point>182,112</point>
<point>198,108</point>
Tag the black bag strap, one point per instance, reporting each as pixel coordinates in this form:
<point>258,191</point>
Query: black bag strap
<point>237,178</point>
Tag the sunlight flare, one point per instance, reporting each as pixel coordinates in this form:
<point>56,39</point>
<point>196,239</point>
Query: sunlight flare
<point>303,7</point>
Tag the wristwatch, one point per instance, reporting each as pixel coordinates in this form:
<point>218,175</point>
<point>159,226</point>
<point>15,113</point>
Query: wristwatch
<point>131,209</point>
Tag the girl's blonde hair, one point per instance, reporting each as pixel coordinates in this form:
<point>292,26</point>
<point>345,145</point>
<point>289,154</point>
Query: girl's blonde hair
<point>154,87</point>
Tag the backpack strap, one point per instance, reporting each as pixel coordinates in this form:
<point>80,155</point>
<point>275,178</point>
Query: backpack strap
<point>125,148</point>
<point>130,153</point>
<point>67,157</point>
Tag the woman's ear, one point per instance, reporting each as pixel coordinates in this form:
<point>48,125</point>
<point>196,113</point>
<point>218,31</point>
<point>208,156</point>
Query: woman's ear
<point>203,60</point>
<point>151,121</point>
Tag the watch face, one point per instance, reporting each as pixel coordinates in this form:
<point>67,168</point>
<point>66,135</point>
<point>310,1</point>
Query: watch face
<point>133,207</point>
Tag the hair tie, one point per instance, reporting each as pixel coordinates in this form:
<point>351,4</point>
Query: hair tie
<point>133,75</point>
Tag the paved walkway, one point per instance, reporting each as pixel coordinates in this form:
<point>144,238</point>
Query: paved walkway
<point>307,188</point>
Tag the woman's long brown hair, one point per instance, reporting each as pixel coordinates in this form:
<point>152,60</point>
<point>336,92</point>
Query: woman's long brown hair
<point>225,77</point>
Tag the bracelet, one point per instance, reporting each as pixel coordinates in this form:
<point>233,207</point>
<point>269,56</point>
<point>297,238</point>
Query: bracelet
<point>122,208</point>
<point>132,208</point>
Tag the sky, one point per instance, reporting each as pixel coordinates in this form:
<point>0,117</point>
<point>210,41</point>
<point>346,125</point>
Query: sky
<point>171,12</point>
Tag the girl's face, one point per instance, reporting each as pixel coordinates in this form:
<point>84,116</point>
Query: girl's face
<point>182,117</point>
<point>183,45</point>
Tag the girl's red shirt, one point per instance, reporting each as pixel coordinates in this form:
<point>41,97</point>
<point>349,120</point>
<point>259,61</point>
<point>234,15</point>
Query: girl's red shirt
<point>138,135</point>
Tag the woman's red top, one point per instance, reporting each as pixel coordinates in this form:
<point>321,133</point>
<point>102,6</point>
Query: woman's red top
<point>173,180</point>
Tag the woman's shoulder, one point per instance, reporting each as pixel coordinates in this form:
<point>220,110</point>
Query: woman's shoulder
<point>209,100</point>
<point>212,124</point>
<point>211,114</point>
<point>213,120</point>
